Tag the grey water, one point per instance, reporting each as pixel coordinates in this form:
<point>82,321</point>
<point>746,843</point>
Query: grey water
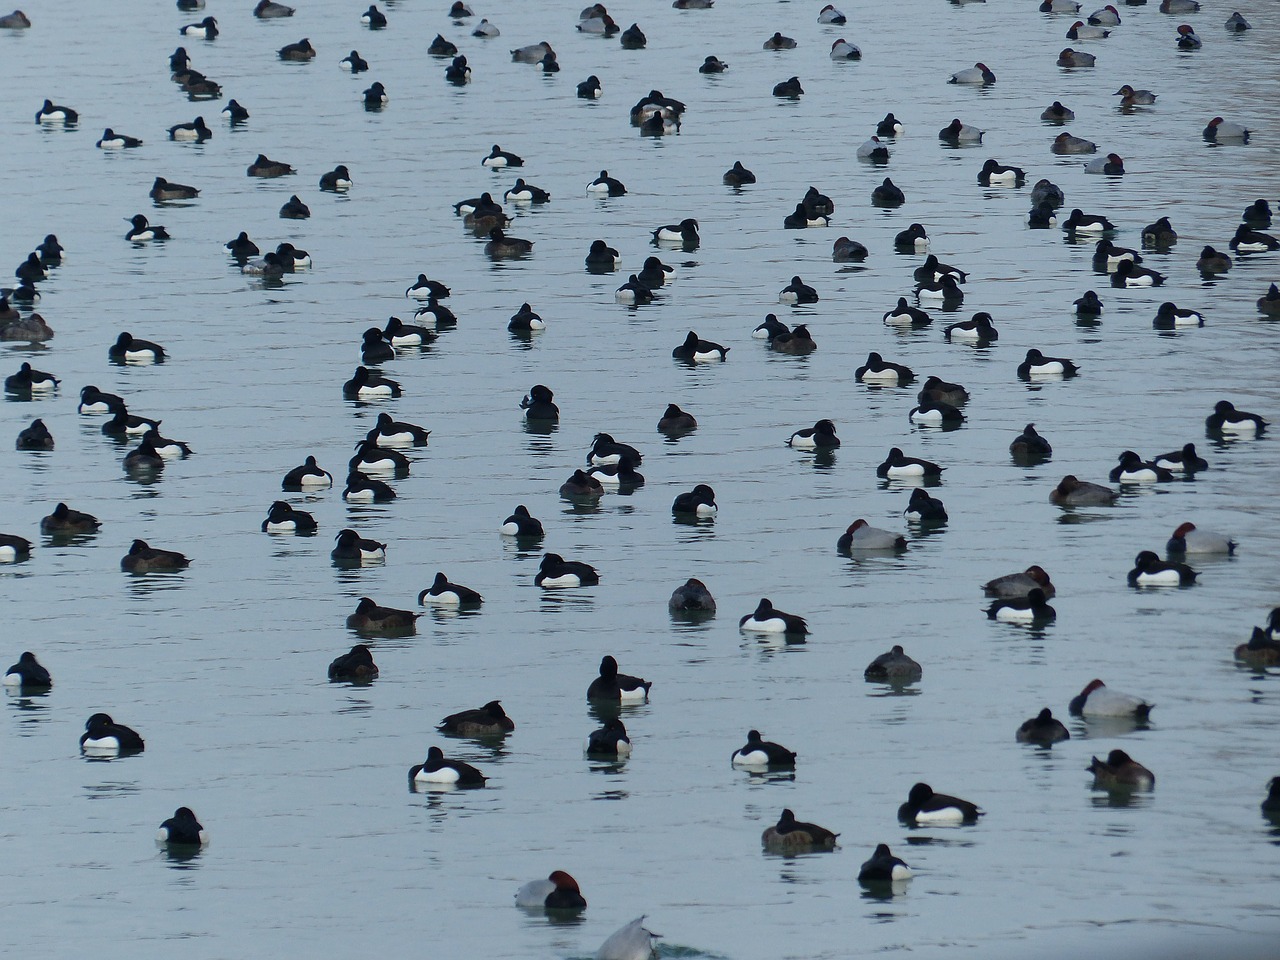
<point>318,846</point>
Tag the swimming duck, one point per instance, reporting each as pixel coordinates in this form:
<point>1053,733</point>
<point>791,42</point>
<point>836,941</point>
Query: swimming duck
<point>526,320</point>
<point>768,620</point>
<point>821,436</point>
<point>633,38</point>
<point>356,666</point>
<point>20,21</point>
<point>1029,446</point>
<point>611,685</point>
<point>271,10</point>
<point>486,30</point>
<point>206,29</point>
<point>602,257</point>
<point>103,737</point>
<point>353,548</point>
<point>371,457</point>
<point>558,892</point>
<point>581,484</point>
<point>890,126</point>
<point>1248,240</point>
<point>1187,39</point>
<point>737,175</point>
<point>842,49</point>
<point>605,450</point>
<point>632,942</point>
<point>1221,131</point>
<point>538,404</point>
<point>153,443</point>
<point>1082,31</point>
<point>182,830</point>
<point>522,525</point>
<point>301,51</point>
<point>523,192</point>
<point>675,420</point>
<point>1170,316</point>
<point>893,667</point>
<point>1227,419</point>
<point>762,753</point>
<point>14,549</point>
<point>51,250</point>
<point>797,291</point>
<point>799,219</point>
<point>51,112</point>
<point>932,413</point>
<point>1188,538</point>
<point>1133,469</point>
<point>1038,365</point>
<point>266,168</point>
<point>940,391</point>
<point>373,18</point>
<point>1269,302</point>
<point>501,246</point>
<point>713,64</point>
<point>142,230</point>
<point>440,47</point>
<point>602,25</point>
<point>994,173</point>
<point>93,400</point>
<point>163,190</point>
<point>1150,571</point>
<point>143,558</point>
<point>401,334</point>
<point>691,597</point>
<point>1134,98</point>
<point>1033,608</point>
<point>67,522</point>
<point>458,72</point>
<point>883,867</point>
<point>1111,165</point>
<point>375,97</point>
<point>129,349</point>
<point>35,437</point>
<point>912,238</point>
<point>860,536</point>
<point>796,341</point>
<point>779,42</point>
<point>696,350</point>
<point>1237,24</point>
<point>1043,730</point>
<point>353,63</point>
<point>241,248</point>
<point>307,475</point>
<point>489,720</point>
<point>371,618</point>
<point>935,269</point>
<point>789,89</point>
<point>1075,58</point>
<point>531,53</point>
<point>898,466</point>
<point>905,315</point>
<point>1046,191</point>
<point>610,741</point>
<point>978,74</point>
<point>1256,214</point>
<point>1260,651</point>
<point>1159,234</point>
<point>947,289</point>
<point>790,834</point>
<point>1019,585</point>
<point>699,502</point>
<point>1059,6</point>
<point>923,807</point>
<point>111,140</point>
<point>1072,492</point>
<point>13,326</point>
<point>877,370</point>
<point>922,508</point>
<point>685,232</point>
<point>887,195</point>
<point>367,385</point>
<point>282,518</point>
<point>437,770</point>
<point>1064,144</point>
<point>979,329</point>
<point>29,380</point>
<point>361,488</point>
<point>1057,113</point>
<point>555,572</point>
<point>28,673</point>
<point>845,250</point>
<point>1081,222</point>
<point>1129,274</point>
<point>818,204</point>
<point>829,14</point>
<point>956,133</point>
<point>1120,771</point>
<point>655,274</point>
<point>1185,460</point>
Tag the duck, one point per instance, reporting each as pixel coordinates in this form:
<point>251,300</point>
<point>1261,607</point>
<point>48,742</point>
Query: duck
<point>940,391</point>
<point>1014,586</point>
<point>361,488</point>
<point>1185,460</point>
<point>35,437</point>
<point>489,720</point>
<point>1134,98</point>
<point>799,219</point>
<point>355,666</point>
<point>458,72</point>
<point>684,232</point>
<point>934,269</point>
<point>610,741</point>
<point>1130,274</point>
<point>978,329</point>
<point>767,620</point>
<point>1219,130</point>
<point>1133,469</point>
<point>1269,302</point>
<point>1257,214</point>
<point>829,14</point>
<point>439,771</point>
<point>779,42</point>
<point>388,432</point>
<point>103,737</point>
<point>182,830</point>
<point>523,192</point>
<point>163,190</point>
<point>844,250</point>
<point>1099,700</point>
<point>1029,446</point>
<point>67,522</point>
<point>144,558</point>
<point>241,248</point>
<point>696,350</point>
<point>818,204</point>
<point>1159,234</point>
<point>308,475</point>
<point>932,413</point>
<point>1064,143</point>
<point>634,292</point>
<point>1088,305</point>
<point>602,25</point>
<point>797,341</point>
<point>1081,222</point>
<point>444,593</point>
<point>738,175</point>
<point>893,667</point>
<point>582,485</point>
<point>1082,31</point>
<point>1237,24</point>
<point>956,133</point>
<point>898,465</point>
<point>267,168</point>
<point>93,400</point>
<point>1150,571</point>
<point>28,380</point>
<point>978,74</point>
<point>861,536</point>
<point>531,53</point>
<point>887,195</point>
<point>606,185</point>
<point>607,451</point>
<point>1227,419</point>
<point>373,18</point>
<point>142,230</point>
<point>538,404</point>
<point>1188,538</point>
<point>789,89</point>
<point>20,21</point>
<point>271,10</point>
<point>367,385</point>
<point>1033,608</point>
<point>632,942</point>
<point>33,329</point>
<point>691,597</point>
<point>195,131</point>
<point>912,238</point>
<point>400,334</point>
<point>611,685</point>
<point>1056,112</point>
<point>790,834</point>
<point>51,112</point>
<point>842,49</point>
<point>1260,651</point>
<point>555,572</point>
<point>440,47</point>
<point>28,673</point>
<point>111,140</point>
<point>602,257</point>
<point>14,549</point>
<point>1075,58</point>
<point>905,315</point>
<point>1072,492</point>
<point>994,173</point>
<point>759,752</point>
<point>1059,6</point>
<point>924,807</point>
<point>1038,365</point>
<point>129,349</point>
<point>295,209</point>
<point>500,246</point>
<point>770,328</point>
<point>1046,191</point>
<point>1170,316</point>
<point>1187,39</point>
<point>558,892</point>
<point>354,63</point>
<point>1111,165</point>
<point>877,370</point>
<point>712,65</point>
<point>821,436</point>
<point>883,867</point>
<point>206,29</point>
<point>51,250</point>
<point>282,518</point>
<point>371,618</point>
<point>1120,771</point>
<point>525,320</point>
<point>1248,240</point>
<point>675,420</point>
<point>633,38</point>
<point>1108,16</point>
<point>301,51</point>
<point>499,159</point>
<point>947,289</point>
<point>162,446</point>
<point>351,547</point>
<point>922,508</point>
<point>699,502</point>
<point>1043,730</point>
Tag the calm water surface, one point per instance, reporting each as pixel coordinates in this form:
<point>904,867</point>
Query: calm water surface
<point>318,847</point>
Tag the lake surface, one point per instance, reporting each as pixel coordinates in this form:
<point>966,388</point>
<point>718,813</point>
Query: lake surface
<point>318,847</point>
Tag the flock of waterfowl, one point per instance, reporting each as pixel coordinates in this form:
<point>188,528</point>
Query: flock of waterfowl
<point>611,465</point>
